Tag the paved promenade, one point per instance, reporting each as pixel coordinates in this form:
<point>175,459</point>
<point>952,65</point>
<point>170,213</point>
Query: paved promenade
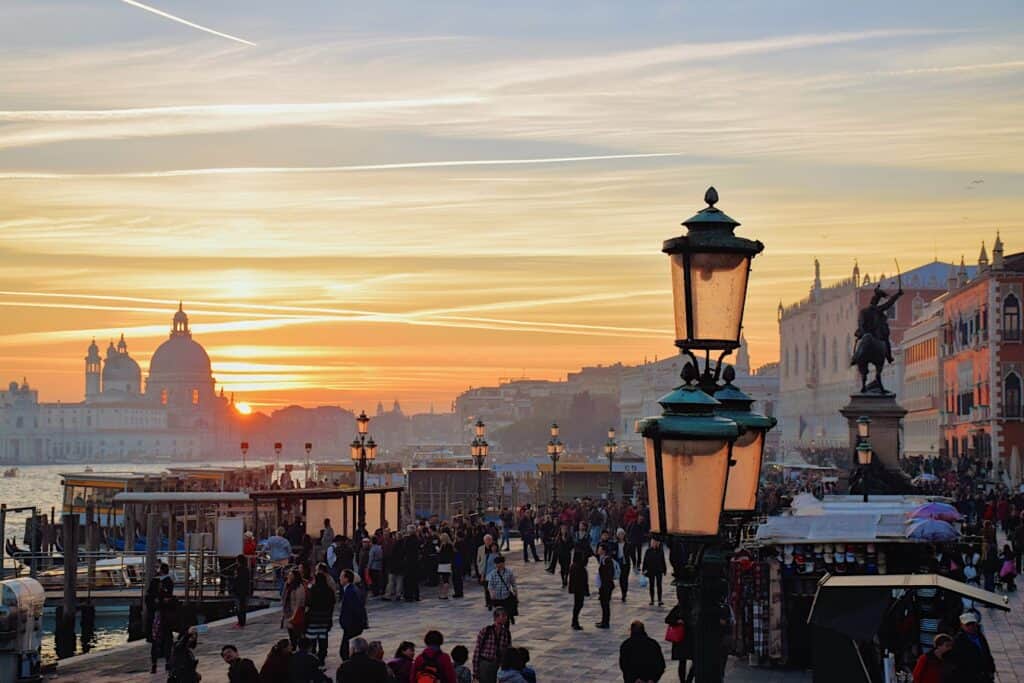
<point>558,653</point>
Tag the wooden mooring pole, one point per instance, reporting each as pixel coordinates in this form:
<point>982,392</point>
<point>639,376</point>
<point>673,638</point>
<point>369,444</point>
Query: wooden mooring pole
<point>65,631</point>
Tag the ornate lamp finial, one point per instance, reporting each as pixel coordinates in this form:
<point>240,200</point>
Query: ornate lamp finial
<point>729,374</point>
<point>711,196</point>
<point>690,373</point>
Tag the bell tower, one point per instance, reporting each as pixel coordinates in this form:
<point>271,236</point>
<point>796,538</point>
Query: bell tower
<point>92,371</point>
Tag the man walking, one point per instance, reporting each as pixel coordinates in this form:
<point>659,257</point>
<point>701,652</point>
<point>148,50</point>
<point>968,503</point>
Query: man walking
<point>492,642</point>
<point>640,657</point>
<point>485,555</point>
<point>352,616</point>
<point>528,533</point>
<point>501,585</point>
<point>606,574</point>
<point>972,658</point>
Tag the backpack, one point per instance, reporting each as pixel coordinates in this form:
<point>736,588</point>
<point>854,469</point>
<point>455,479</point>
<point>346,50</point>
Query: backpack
<point>429,673</point>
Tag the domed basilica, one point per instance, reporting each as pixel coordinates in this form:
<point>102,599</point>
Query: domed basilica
<point>175,415</point>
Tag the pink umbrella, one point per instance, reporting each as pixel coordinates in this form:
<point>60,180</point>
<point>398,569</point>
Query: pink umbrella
<point>943,511</point>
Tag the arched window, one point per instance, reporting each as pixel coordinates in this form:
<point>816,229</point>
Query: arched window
<point>1011,318</point>
<point>1011,395</point>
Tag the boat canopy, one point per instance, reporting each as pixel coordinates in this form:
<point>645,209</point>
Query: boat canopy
<point>184,497</point>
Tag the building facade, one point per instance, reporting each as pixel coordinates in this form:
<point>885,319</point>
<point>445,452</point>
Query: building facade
<point>921,390</point>
<point>175,415</point>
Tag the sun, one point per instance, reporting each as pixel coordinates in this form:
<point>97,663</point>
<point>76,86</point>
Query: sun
<point>243,408</point>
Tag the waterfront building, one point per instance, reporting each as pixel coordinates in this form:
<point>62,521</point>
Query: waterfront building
<point>983,366</point>
<point>175,415</point>
<point>920,392</point>
<point>816,341</point>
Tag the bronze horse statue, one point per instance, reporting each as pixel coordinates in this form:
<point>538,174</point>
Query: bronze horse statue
<point>873,346</point>
<point>870,350</point>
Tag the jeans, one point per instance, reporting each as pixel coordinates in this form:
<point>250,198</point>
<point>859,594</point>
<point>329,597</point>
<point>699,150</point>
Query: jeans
<point>577,605</point>
<point>506,539</point>
<point>488,671</point>
<point>528,543</point>
<point>653,579</point>
<point>595,537</point>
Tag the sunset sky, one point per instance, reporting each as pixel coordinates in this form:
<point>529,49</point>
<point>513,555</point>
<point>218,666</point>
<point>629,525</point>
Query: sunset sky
<point>363,201</point>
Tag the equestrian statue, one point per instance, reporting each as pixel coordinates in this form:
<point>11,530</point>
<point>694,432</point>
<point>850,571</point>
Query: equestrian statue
<point>873,345</point>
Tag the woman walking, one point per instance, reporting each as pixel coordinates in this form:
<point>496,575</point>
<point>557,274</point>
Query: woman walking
<point>579,587</point>
<point>321,614</point>
<point>563,553</point>
<point>445,558</point>
<point>682,649</point>
<point>654,568</point>
<point>293,607</point>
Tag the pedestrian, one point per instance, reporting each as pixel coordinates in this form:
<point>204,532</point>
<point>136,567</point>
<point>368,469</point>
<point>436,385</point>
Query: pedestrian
<point>1008,569</point>
<point>935,666</point>
<point>459,564</point>
<point>621,557</point>
<point>240,670</point>
<point>563,554</point>
<point>376,566</point>
<point>579,587</point>
<point>411,548</point>
<point>352,615</point>
<point>293,607</point>
<point>320,615</point>
<point>636,535</point>
<point>971,657</point>
<point>183,658</point>
<point>682,645</point>
<point>511,667</point>
<point>491,643</point>
<point>241,588</point>
<point>279,551</point>
<point>485,555</point>
<point>654,569</point>
<point>161,608</point>
<point>432,661</point>
<point>640,657</point>
<point>528,534</point>
<point>501,586</point>
<point>445,559</point>
<point>303,666</point>
<point>401,664</point>
<point>360,667</point>
<point>394,564</point>
<point>460,655</point>
<point>326,538</point>
<point>606,584</point>
<point>275,666</point>
<point>507,521</point>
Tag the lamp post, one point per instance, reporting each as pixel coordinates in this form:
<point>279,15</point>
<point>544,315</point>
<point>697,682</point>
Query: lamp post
<point>245,450</point>
<point>555,450</point>
<point>364,451</point>
<point>610,446</point>
<point>693,448</point>
<point>277,455</point>
<point>479,449</point>
<point>864,452</point>
<point>309,449</point>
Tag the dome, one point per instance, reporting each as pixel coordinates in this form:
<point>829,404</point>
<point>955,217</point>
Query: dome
<point>179,355</point>
<point>121,368</point>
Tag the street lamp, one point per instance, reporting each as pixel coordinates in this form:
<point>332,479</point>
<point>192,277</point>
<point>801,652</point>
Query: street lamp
<point>364,451</point>
<point>610,446</point>
<point>277,455</point>
<point>245,451</point>
<point>689,448</point>
<point>748,452</point>
<point>309,449</point>
<point>479,449</point>
<point>555,450</point>
<point>864,452</point>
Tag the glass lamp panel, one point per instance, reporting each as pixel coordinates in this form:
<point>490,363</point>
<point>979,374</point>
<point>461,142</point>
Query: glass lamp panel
<point>363,423</point>
<point>864,456</point>
<point>484,449</point>
<point>551,449</point>
<point>481,429</point>
<point>371,450</point>
<point>719,288</point>
<point>611,433</point>
<point>554,430</point>
<point>863,427</point>
<point>695,474</point>
<point>679,296</point>
<point>354,450</point>
<point>741,492</point>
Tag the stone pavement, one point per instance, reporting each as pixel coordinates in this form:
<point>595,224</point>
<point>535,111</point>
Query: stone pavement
<point>557,652</point>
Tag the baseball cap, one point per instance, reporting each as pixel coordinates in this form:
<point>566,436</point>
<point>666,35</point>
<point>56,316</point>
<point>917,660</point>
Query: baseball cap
<point>968,618</point>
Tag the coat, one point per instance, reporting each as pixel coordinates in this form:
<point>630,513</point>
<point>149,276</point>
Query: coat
<point>640,658</point>
<point>294,600</point>
<point>931,669</point>
<point>352,616</point>
<point>362,669</point>
<point>654,562</point>
<point>440,660</point>
<point>683,650</point>
<point>578,583</point>
<point>971,663</point>
<point>243,671</point>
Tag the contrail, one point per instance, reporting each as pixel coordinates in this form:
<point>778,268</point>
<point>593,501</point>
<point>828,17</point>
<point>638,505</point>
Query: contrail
<point>259,170</point>
<point>186,22</point>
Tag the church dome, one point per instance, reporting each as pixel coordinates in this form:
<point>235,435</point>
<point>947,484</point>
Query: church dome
<point>120,371</point>
<point>180,355</point>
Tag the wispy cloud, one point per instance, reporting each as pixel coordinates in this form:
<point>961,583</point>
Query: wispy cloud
<point>186,22</point>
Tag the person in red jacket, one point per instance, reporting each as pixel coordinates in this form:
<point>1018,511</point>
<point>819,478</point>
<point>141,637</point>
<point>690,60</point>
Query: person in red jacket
<point>433,660</point>
<point>933,667</point>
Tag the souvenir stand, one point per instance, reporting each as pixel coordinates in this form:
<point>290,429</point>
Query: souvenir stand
<point>774,576</point>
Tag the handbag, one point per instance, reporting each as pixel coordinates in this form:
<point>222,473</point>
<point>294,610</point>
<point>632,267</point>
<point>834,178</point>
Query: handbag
<point>675,633</point>
<point>513,599</point>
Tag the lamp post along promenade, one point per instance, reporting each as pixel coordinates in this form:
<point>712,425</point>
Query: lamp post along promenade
<point>555,450</point>
<point>364,451</point>
<point>479,449</point>
<point>704,451</point>
<point>864,452</point>
<point>610,447</point>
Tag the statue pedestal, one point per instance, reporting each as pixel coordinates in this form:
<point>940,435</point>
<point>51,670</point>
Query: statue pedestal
<point>885,414</point>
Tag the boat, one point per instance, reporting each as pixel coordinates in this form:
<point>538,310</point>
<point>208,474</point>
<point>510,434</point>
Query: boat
<point>10,473</point>
<point>88,469</point>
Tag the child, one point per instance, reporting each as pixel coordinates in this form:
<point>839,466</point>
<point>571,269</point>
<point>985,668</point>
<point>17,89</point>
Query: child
<point>527,671</point>
<point>459,656</point>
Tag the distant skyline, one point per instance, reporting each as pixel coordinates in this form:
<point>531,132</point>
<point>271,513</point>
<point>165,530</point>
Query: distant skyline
<point>358,203</point>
